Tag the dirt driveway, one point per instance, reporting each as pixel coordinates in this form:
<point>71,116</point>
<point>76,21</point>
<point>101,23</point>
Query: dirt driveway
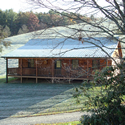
<point>31,98</point>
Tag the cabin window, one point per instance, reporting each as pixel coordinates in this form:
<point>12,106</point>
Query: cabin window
<point>75,64</point>
<point>95,64</point>
<point>58,64</point>
<point>30,63</point>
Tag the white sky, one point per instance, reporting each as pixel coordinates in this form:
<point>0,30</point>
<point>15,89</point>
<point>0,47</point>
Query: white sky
<point>21,5</point>
<point>16,5</point>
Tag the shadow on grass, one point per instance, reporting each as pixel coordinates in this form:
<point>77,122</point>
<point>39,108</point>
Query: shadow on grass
<point>10,79</point>
<point>30,98</point>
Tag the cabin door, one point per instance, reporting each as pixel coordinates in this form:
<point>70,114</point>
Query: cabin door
<point>58,68</point>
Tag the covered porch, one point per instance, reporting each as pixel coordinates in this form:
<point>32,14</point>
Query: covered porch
<point>53,68</point>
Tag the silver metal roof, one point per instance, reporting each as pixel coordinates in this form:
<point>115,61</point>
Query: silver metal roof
<point>66,47</point>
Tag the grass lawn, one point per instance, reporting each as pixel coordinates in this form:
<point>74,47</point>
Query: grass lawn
<point>3,79</point>
<point>66,123</point>
<point>59,103</point>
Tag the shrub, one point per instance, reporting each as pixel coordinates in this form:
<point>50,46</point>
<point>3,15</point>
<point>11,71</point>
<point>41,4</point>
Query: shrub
<point>105,105</point>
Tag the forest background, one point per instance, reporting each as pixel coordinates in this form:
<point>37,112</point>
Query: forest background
<point>13,23</point>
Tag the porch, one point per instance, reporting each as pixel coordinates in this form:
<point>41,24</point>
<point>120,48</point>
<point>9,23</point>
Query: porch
<point>70,69</point>
<point>48,74</point>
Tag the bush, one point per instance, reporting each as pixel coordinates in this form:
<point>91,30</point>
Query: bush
<point>106,106</point>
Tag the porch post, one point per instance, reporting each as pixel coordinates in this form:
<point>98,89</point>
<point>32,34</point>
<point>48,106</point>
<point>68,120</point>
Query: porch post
<point>21,70</point>
<point>106,62</point>
<point>70,70</point>
<point>6,70</point>
<point>87,70</point>
<point>52,71</point>
<point>36,72</point>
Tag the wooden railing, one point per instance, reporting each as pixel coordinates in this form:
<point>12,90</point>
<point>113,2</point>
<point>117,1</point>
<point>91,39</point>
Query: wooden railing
<point>14,71</point>
<point>47,72</point>
<point>58,73</point>
<point>29,71</point>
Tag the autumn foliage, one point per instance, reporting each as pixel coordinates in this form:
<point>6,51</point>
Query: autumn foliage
<point>23,22</point>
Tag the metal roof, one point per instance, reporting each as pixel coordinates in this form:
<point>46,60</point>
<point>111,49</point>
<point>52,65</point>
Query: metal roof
<point>65,47</point>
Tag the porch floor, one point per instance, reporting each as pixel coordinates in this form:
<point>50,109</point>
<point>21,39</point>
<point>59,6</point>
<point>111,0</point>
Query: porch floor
<point>52,78</point>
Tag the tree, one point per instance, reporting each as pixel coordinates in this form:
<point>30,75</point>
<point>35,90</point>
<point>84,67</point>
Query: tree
<point>110,10</point>
<point>106,108</point>
<point>2,18</point>
<point>53,19</point>
<point>7,31</point>
<point>22,20</point>
<point>10,18</point>
<point>2,36</point>
<point>24,29</point>
<point>33,22</point>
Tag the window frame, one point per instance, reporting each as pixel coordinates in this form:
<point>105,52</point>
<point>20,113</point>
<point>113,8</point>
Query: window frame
<point>95,64</point>
<point>56,64</point>
<point>31,63</point>
<point>75,66</point>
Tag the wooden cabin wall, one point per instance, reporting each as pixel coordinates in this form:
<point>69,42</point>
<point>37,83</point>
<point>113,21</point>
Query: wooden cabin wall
<point>103,63</point>
<point>83,62</point>
<point>19,63</point>
<point>25,63</point>
<point>41,63</point>
<point>44,63</point>
<point>44,66</point>
<point>109,62</point>
<point>85,65</point>
<point>118,52</point>
<point>66,67</point>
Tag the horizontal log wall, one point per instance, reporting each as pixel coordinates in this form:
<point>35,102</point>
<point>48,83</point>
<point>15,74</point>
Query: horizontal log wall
<point>45,68</point>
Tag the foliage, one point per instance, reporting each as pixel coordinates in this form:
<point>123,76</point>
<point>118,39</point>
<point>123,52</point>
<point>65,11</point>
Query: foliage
<point>10,17</point>
<point>23,29</point>
<point>14,22</point>
<point>7,31</point>
<point>4,32</point>
<point>107,107</point>
<point>33,22</point>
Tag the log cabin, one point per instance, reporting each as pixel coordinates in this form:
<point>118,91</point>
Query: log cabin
<point>63,58</point>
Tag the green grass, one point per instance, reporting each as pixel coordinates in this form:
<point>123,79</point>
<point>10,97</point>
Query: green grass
<point>66,123</point>
<point>3,79</point>
<point>66,105</point>
<point>62,103</point>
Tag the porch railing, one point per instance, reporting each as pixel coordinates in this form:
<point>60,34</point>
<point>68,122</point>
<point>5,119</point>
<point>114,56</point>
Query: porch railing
<point>14,71</point>
<point>58,73</point>
<point>28,71</point>
<point>47,72</point>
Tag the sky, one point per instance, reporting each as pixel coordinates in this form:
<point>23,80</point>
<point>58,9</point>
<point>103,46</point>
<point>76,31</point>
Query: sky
<point>22,5</point>
<point>16,5</point>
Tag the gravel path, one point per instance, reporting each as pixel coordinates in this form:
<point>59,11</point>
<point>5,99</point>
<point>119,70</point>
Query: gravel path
<point>65,117</point>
